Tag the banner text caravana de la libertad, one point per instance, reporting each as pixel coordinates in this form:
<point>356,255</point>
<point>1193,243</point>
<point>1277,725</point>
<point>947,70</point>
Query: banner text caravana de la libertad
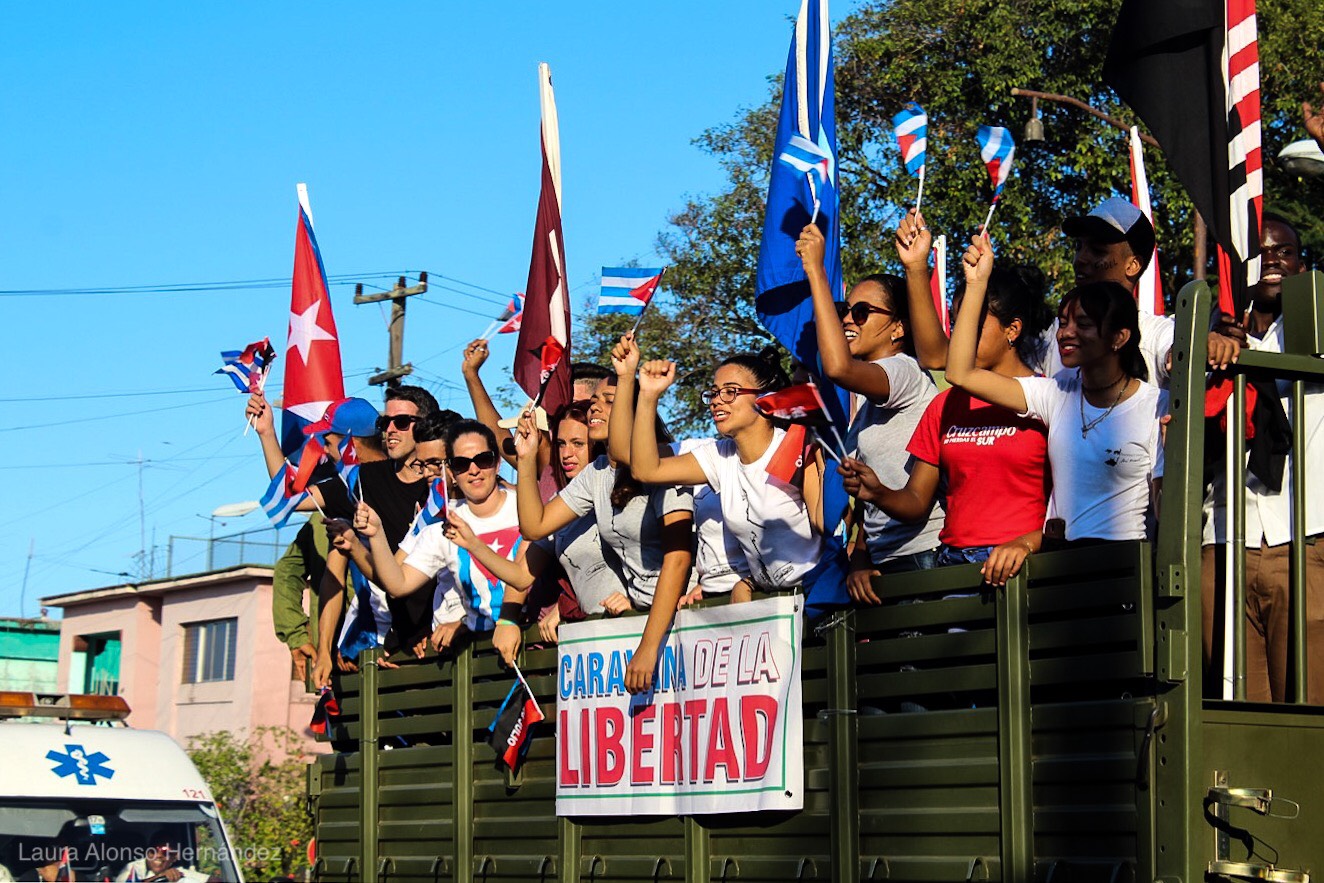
<point>720,732</point>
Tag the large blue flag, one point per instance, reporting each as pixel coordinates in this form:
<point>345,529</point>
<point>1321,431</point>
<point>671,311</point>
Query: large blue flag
<point>781,289</point>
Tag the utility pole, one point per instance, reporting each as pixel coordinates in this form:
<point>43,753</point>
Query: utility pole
<point>395,369</point>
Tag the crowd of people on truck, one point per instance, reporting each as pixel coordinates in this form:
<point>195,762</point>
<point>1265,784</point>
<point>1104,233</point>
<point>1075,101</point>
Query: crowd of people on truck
<point>1049,435</point>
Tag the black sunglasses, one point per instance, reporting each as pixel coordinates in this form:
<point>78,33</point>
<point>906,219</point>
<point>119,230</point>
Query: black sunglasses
<point>399,421</point>
<point>859,312</point>
<point>485,460</point>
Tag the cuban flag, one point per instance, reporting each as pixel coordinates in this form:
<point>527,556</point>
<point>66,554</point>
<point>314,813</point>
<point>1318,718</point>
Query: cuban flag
<point>247,368</point>
<point>281,501</point>
<point>627,289</point>
<point>367,620</point>
<point>347,467</point>
<point>815,164</point>
<point>434,510</point>
<point>313,378</point>
<point>998,151</point>
<point>912,135</point>
<point>509,320</point>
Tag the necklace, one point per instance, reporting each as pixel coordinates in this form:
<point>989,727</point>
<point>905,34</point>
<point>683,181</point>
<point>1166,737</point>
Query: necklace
<point>1084,388</point>
<point>1085,426</point>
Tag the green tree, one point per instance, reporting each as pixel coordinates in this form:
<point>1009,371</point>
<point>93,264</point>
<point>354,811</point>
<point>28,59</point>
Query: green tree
<point>959,59</point>
<point>263,801</point>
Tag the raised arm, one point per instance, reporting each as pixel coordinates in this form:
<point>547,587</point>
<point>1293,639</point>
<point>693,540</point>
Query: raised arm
<point>264,422</point>
<point>1314,120</point>
<point>839,365</point>
<point>625,360</point>
<point>645,463</point>
<point>485,412</point>
<point>994,388</point>
<point>914,243</point>
<point>536,518</point>
<point>396,579</point>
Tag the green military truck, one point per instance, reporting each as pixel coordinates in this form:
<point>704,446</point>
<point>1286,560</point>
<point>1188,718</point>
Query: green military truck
<point>1063,736</point>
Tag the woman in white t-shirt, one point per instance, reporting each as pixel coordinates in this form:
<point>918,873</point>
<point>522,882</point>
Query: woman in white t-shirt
<point>1104,444</point>
<point>467,596</point>
<point>778,523</point>
<point>864,345</point>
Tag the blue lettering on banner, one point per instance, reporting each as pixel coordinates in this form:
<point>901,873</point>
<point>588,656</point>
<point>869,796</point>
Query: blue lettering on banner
<point>75,761</point>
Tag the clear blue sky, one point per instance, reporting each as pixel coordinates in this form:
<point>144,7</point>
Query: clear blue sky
<point>150,143</point>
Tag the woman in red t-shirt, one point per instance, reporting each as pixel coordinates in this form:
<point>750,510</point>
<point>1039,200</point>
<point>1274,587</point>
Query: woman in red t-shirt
<point>993,462</point>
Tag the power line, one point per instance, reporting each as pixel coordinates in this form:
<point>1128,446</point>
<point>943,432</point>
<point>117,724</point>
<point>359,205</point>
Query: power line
<point>183,287</point>
<point>69,421</point>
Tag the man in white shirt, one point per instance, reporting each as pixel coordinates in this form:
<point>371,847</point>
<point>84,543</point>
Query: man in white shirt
<point>1269,514</point>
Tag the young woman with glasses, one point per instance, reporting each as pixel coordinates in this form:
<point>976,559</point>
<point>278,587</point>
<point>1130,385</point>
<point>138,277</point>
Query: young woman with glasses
<point>777,524</point>
<point>864,347</point>
<point>1104,443</point>
<point>467,596</point>
<point>648,528</point>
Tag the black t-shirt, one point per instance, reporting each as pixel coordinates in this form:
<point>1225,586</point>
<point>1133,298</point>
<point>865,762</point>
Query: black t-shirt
<point>395,502</point>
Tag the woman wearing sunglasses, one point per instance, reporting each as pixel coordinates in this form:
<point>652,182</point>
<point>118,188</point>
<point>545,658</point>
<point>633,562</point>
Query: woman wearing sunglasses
<point>467,596</point>
<point>865,348</point>
<point>777,524</point>
<point>1103,420</point>
<point>649,529</point>
<point>992,461</point>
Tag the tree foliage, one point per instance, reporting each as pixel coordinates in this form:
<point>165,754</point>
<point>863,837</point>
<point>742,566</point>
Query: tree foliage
<point>959,59</point>
<point>262,800</point>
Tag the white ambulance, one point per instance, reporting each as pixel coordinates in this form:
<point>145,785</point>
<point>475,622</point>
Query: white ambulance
<point>84,797</point>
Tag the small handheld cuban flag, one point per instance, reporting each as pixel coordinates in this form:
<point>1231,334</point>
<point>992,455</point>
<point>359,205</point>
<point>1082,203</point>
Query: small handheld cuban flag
<point>627,289</point>
<point>912,135</point>
<point>998,151</point>
<point>247,368</point>
<point>347,467</point>
<point>815,162</point>
<point>280,501</point>
<point>801,404</point>
<point>326,713</point>
<point>509,733</point>
<point>434,510</point>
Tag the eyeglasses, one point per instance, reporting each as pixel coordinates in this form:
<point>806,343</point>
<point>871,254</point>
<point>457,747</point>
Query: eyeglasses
<point>399,421</point>
<point>422,467</point>
<point>727,394</point>
<point>485,460</point>
<point>859,312</point>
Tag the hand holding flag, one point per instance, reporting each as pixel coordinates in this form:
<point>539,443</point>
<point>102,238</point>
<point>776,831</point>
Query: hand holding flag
<point>998,150</point>
<point>912,135</point>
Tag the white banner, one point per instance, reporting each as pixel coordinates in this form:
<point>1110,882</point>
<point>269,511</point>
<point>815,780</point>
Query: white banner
<point>721,732</point>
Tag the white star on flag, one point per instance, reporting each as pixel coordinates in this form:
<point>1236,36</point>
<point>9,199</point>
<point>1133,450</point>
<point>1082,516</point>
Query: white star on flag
<point>304,330</point>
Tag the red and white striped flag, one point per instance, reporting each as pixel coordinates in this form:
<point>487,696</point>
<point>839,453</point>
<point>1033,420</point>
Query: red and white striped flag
<point>1149,290</point>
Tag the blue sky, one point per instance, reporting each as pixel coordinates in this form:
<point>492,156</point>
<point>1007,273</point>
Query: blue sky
<point>155,143</point>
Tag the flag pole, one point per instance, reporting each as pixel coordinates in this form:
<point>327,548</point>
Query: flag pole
<point>542,387</point>
<point>648,302</point>
<point>989,219</point>
<point>487,335</point>
<point>813,191</point>
<point>320,511</point>
<point>920,198</point>
<point>519,674</point>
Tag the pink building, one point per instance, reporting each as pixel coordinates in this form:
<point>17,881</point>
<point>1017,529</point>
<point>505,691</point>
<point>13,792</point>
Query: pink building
<point>190,655</point>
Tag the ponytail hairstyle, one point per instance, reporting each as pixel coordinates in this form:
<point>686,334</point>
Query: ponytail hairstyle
<point>898,302</point>
<point>627,487</point>
<point>765,367</point>
<point>1113,309</point>
<point>1017,292</point>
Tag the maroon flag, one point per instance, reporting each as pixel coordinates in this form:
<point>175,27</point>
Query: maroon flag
<point>546,298</point>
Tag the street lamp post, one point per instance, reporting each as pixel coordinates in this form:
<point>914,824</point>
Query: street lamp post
<point>1201,256</point>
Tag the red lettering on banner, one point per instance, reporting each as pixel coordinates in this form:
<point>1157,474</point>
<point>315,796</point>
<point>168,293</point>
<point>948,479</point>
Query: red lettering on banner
<point>673,748</point>
<point>720,750</point>
<point>758,739</point>
<point>611,754</point>
<point>695,710</point>
<point>641,743</point>
<point>569,777</point>
<point>585,747</point>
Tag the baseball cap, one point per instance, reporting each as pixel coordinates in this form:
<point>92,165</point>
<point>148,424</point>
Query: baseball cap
<point>1115,220</point>
<point>356,417</point>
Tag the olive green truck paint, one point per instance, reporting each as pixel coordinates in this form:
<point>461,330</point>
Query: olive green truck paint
<point>1062,738</point>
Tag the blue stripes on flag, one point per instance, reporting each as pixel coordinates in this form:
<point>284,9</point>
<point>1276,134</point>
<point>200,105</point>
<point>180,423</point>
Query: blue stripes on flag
<point>627,289</point>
